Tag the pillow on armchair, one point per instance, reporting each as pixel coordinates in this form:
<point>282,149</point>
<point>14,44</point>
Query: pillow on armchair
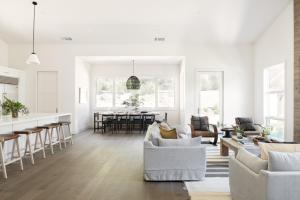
<point>200,123</point>
<point>245,124</point>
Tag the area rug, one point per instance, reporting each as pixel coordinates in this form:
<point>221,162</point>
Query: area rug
<point>214,188</point>
<point>216,183</point>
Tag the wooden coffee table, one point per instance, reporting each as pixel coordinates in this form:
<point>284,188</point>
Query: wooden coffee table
<point>229,143</point>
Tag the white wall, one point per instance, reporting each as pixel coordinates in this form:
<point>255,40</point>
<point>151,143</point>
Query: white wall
<point>82,110</point>
<point>275,46</point>
<point>151,70</point>
<point>3,53</point>
<point>236,61</point>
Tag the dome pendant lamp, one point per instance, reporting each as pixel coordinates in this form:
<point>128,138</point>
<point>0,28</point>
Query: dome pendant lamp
<point>133,83</point>
<point>33,59</point>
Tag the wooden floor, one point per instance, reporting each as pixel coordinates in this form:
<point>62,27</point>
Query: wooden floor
<point>108,167</point>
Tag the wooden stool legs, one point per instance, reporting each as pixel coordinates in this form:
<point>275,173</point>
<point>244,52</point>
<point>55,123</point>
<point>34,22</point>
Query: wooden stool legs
<point>14,158</point>
<point>3,161</point>
<point>28,145</point>
<point>62,131</point>
<point>49,136</point>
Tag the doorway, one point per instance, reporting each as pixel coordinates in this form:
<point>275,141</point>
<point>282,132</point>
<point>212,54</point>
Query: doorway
<point>209,95</point>
<point>47,92</point>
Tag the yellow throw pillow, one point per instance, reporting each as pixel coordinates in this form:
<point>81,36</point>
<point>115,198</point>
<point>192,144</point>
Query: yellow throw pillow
<point>168,134</point>
<point>266,147</point>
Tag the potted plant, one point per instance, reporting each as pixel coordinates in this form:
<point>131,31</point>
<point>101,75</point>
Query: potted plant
<point>13,107</point>
<point>239,132</point>
<point>133,101</point>
<point>266,131</point>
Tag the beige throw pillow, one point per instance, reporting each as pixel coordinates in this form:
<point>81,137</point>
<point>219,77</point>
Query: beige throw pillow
<point>265,148</point>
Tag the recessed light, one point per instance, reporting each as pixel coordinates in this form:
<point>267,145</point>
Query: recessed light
<point>159,39</point>
<point>67,38</point>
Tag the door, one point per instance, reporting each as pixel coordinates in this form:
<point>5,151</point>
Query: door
<point>47,92</point>
<point>210,95</point>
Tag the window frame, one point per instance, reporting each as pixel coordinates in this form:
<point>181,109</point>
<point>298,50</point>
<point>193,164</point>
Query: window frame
<point>267,91</point>
<point>156,91</point>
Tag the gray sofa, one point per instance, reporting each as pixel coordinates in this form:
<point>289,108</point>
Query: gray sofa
<point>172,163</point>
<point>254,184</point>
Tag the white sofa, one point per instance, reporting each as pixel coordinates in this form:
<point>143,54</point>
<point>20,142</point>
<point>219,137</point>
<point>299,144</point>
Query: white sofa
<point>172,163</point>
<point>248,184</point>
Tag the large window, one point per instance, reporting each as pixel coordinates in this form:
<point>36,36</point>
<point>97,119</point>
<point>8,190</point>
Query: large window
<point>166,92</point>
<point>154,92</point>
<point>104,93</point>
<point>210,95</point>
<point>274,99</point>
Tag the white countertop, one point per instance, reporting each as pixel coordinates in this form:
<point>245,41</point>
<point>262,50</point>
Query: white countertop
<point>8,120</point>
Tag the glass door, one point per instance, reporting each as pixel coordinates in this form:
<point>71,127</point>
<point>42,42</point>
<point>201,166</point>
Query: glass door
<point>210,95</point>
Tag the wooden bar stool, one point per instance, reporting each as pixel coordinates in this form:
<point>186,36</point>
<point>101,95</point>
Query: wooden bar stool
<point>68,137</point>
<point>4,162</point>
<point>49,128</point>
<point>28,145</point>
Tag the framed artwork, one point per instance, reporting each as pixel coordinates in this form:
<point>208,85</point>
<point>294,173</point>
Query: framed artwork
<point>83,95</point>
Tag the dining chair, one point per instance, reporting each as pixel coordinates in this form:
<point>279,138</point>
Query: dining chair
<point>136,120</point>
<point>148,119</point>
<point>98,122</point>
<point>122,122</point>
<point>108,120</point>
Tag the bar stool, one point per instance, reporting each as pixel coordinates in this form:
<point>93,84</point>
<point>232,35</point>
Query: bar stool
<point>3,139</point>
<point>65,138</point>
<point>49,136</point>
<point>28,145</point>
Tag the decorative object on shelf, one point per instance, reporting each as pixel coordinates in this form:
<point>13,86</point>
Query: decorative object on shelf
<point>134,101</point>
<point>33,58</point>
<point>133,83</point>
<point>13,107</point>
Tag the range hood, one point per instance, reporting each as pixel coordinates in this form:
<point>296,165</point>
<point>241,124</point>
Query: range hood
<point>9,80</point>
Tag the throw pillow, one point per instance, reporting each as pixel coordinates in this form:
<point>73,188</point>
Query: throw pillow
<point>179,142</point>
<point>168,134</point>
<point>245,124</point>
<point>279,161</point>
<point>200,123</point>
<point>265,148</point>
<point>165,126</point>
<point>253,162</point>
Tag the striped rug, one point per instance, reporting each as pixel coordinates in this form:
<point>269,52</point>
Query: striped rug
<point>217,166</point>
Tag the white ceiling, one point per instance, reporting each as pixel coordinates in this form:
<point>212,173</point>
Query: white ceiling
<point>127,60</point>
<point>138,21</point>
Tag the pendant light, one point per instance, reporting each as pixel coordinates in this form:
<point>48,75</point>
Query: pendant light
<point>133,83</point>
<point>33,59</point>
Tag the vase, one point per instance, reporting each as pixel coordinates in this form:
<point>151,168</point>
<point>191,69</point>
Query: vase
<point>14,114</point>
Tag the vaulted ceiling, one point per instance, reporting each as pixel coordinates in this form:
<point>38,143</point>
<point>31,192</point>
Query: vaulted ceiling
<point>138,21</point>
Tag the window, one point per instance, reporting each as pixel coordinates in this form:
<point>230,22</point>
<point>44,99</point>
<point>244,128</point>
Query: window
<point>274,99</point>
<point>154,92</point>
<point>121,92</point>
<point>147,92</point>
<point>104,92</point>
<point>210,95</point>
<point>166,93</point>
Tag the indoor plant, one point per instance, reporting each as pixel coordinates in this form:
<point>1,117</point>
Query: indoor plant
<point>266,131</point>
<point>134,101</point>
<point>239,132</point>
<point>13,107</point>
